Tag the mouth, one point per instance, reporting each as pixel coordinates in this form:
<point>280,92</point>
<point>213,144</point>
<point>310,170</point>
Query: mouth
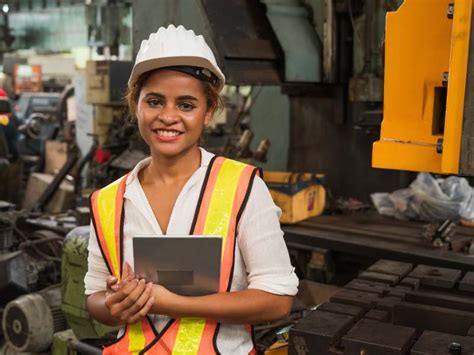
<point>166,134</point>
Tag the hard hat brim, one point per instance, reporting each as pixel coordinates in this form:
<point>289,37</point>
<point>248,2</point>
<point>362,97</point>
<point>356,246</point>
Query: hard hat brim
<point>163,62</point>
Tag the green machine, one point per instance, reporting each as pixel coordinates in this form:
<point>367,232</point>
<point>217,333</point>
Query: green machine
<point>73,270</point>
<point>55,319</point>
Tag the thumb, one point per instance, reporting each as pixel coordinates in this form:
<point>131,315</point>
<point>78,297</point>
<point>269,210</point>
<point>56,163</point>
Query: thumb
<point>112,283</point>
<point>127,271</point>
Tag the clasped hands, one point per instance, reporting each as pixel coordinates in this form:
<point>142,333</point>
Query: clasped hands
<point>130,300</point>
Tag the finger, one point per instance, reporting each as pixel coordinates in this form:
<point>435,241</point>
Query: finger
<point>134,295</point>
<point>112,283</point>
<point>121,294</point>
<point>129,270</point>
<point>140,302</point>
<point>143,312</point>
<point>115,301</point>
<point>125,281</point>
<point>127,274</point>
<point>124,270</point>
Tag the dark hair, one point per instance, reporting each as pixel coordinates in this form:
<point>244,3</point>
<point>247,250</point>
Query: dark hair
<point>213,99</point>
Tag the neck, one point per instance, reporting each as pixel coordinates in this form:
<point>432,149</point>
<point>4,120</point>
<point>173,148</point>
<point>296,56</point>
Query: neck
<point>170,169</point>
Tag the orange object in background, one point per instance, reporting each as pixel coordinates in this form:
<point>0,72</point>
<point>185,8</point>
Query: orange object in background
<point>428,119</point>
<point>299,195</point>
<point>27,77</point>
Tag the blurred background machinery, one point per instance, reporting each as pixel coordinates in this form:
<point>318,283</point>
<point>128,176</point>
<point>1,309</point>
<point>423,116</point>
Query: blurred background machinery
<point>310,83</point>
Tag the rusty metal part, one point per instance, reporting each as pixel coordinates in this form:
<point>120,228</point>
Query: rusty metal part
<point>380,289</point>
<point>248,48</point>
<point>388,303</point>
<point>439,343</point>
<point>262,150</point>
<point>411,282</point>
<point>470,333</point>
<point>442,300</point>
<point>340,308</point>
<point>365,300</point>
<point>427,311</point>
<point>445,320</point>
<point>391,267</point>
<point>399,291</point>
<point>317,332</point>
<point>467,282</point>
<point>49,192</point>
<point>378,315</point>
<point>390,280</point>
<point>436,276</point>
<point>378,338</point>
<point>6,235</point>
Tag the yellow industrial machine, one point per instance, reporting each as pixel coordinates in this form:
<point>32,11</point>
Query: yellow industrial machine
<point>428,122</point>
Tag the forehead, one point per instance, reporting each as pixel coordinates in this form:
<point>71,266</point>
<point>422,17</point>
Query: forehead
<point>170,81</point>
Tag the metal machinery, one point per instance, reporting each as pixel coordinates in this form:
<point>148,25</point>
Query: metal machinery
<point>428,117</point>
<point>393,308</point>
<point>42,286</point>
<point>316,74</point>
<point>29,260</point>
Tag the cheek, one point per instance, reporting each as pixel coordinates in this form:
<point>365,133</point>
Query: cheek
<point>140,123</point>
<point>196,121</point>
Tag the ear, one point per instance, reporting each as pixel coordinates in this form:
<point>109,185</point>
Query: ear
<point>208,117</point>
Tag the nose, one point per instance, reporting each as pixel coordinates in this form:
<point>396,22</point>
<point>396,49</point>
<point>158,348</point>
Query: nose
<point>168,115</point>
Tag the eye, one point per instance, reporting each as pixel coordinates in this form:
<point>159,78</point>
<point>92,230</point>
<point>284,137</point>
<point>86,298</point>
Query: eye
<point>154,102</point>
<point>186,106</point>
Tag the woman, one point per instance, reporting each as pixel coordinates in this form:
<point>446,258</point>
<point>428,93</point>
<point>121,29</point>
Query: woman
<point>173,92</point>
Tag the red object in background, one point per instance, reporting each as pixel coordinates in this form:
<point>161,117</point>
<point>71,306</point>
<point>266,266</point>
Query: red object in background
<point>3,93</point>
<point>27,77</point>
<point>102,155</point>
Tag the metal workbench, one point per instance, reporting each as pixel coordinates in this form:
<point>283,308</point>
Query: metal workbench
<point>375,236</point>
<point>393,308</point>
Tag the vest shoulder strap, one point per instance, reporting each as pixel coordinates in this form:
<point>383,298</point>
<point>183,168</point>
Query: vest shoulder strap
<point>227,184</point>
<point>107,214</point>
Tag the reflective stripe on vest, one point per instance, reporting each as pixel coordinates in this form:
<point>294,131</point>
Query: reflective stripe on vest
<point>107,212</point>
<point>221,203</point>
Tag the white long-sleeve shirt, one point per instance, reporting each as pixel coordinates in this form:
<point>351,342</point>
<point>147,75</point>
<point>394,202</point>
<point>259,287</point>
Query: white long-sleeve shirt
<point>261,259</point>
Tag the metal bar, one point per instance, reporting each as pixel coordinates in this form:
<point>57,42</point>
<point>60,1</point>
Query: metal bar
<point>86,349</point>
<point>375,248</point>
<point>49,192</point>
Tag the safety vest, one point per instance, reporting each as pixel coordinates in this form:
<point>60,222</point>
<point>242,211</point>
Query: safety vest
<point>221,202</point>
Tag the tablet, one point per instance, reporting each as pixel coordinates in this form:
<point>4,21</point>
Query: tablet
<point>187,265</point>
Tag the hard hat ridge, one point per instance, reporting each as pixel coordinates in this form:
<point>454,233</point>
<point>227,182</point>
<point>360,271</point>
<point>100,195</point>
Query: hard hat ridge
<point>175,46</point>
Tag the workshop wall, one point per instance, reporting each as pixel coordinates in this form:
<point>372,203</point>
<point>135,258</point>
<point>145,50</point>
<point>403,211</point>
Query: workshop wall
<point>151,14</point>
<point>321,143</point>
<point>53,28</point>
<point>270,118</point>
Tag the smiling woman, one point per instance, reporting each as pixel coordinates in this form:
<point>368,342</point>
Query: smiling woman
<point>172,111</point>
<point>184,190</point>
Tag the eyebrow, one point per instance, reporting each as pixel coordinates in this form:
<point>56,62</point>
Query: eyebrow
<point>184,97</point>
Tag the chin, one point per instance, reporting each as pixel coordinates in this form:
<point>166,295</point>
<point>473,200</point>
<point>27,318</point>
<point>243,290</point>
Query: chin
<point>170,151</point>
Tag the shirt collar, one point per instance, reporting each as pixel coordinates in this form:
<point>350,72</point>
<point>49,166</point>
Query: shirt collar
<point>205,160</point>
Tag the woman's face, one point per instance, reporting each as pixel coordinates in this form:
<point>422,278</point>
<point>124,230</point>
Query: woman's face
<point>172,112</point>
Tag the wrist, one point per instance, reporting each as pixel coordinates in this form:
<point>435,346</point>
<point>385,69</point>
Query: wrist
<point>166,302</point>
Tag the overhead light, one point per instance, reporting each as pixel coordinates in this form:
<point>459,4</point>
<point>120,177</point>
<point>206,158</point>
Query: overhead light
<point>5,8</point>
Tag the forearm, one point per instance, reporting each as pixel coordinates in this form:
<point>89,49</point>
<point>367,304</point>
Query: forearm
<point>249,306</point>
<point>99,311</point>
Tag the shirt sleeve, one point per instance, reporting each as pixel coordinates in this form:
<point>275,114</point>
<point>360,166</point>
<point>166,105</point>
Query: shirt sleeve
<point>97,271</point>
<point>262,246</point>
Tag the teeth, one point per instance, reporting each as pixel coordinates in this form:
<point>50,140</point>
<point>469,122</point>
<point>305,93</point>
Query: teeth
<point>163,133</point>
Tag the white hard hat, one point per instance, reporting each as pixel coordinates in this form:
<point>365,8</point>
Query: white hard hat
<point>179,48</point>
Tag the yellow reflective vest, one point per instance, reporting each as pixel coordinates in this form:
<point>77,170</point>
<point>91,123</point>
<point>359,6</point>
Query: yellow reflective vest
<point>222,200</point>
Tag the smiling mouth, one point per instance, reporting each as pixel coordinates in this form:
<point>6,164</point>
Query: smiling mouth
<point>167,132</point>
